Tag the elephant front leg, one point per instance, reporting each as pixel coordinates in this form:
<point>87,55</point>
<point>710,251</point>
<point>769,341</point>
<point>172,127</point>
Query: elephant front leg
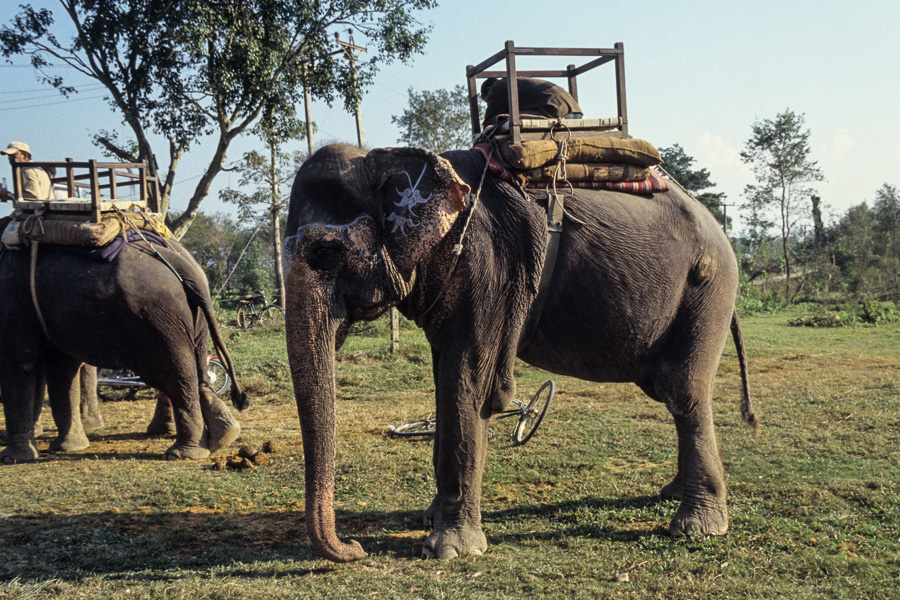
<point>23,393</point>
<point>455,514</point>
<point>700,482</point>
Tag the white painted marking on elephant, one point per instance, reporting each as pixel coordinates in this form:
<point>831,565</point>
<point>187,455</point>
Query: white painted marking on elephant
<point>409,198</point>
<point>354,230</point>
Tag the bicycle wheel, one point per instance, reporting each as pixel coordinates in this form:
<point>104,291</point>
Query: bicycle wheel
<point>218,376</point>
<point>422,428</point>
<point>244,317</point>
<point>107,388</point>
<point>271,317</point>
<point>533,414</point>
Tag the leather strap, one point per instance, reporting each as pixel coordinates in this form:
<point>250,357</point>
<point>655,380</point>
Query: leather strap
<point>555,212</point>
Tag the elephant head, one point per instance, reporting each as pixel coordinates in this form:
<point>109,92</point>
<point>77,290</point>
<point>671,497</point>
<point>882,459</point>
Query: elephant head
<point>358,226</point>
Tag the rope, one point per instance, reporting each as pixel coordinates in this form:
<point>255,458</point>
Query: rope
<point>458,247</point>
<point>150,245</point>
<point>33,231</point>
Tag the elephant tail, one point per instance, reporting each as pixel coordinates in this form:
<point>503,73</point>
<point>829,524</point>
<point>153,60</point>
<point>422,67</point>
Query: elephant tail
<point>239,398</point>
<point>747,412</point>
<point>194,284</point>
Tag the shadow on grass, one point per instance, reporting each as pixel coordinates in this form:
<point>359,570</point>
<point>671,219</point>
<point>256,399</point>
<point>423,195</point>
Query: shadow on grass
<point>147,545</point>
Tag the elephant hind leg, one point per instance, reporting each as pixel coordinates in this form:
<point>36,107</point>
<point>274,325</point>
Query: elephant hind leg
<point>91,419</point>
<point>221,426</point>
<point>64,390</point>
<point>686,389</point>
<point>700,482</point>
<point>181,386</point>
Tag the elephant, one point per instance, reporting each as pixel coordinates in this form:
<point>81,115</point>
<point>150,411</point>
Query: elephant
<point>148,310</point>
<point>643,290</point>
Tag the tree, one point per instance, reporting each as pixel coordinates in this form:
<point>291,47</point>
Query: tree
<point>269,172</point>
<point>437,120</point>
<point>678,164</point>
<point>215,242</point>
<point>183,69</point>
<point>778,153</point>
<point>887,219</point>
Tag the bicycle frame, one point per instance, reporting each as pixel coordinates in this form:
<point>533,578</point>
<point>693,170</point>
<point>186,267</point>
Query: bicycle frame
<point>125,378</point>
<point>530,417</point>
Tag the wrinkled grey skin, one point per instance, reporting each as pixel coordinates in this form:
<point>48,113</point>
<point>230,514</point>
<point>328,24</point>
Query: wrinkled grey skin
<point>130,313</point>
<point>643,291</point>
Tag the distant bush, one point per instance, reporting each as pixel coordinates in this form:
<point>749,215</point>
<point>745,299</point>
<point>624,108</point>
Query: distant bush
<point>748,304</point>
<point>870,313</point>
<point>878,312</point>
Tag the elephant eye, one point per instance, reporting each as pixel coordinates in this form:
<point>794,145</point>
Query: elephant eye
<point>325,256</point>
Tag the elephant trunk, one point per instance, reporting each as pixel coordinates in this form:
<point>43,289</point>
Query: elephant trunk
<point>311,335</point>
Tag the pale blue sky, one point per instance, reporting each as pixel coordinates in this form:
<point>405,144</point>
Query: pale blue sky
<point>697,73</point>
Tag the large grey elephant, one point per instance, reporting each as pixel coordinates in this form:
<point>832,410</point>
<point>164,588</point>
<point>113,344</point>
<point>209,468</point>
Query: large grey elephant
<point>643,290</point>
<point>147,310</point>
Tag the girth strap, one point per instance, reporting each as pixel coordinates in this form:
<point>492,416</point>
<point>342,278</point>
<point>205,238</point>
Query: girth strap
<point>555,212</point>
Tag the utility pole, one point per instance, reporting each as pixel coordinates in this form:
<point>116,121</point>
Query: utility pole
<point>352,51</point>
<point>725,216</point>
<point>307,101</point>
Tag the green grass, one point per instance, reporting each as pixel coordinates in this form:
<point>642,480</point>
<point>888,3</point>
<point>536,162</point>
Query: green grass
<point>814,500</point>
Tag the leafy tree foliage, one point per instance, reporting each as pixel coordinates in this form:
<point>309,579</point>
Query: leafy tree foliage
<point>184,69</point>
<point>237,257</point>
<point>887,220</point>
<point>268,172</point>
<point>678,164</point>
<point>215,241</point>
<point>779,154</point>
<point>437,120</point>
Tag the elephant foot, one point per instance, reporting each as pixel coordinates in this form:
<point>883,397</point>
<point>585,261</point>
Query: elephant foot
<point>711,520</point>
<point>184,452</point>
<point>221,427</point>
<point>455,542</point>
<point>163,421</point>
<point>38,432</point>
<point>21,448</point>
<point>91,423</point>
<point>69,443</point>
<point>672,490</point>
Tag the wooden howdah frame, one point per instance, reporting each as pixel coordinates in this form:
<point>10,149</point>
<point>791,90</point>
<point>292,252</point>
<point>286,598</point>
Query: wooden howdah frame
<point>103,181</point>
<point>531,128</point>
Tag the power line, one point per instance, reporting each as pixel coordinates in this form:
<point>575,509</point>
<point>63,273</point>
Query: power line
<point>49,103</point>
<point>44,89</point>
<point>45,95</point>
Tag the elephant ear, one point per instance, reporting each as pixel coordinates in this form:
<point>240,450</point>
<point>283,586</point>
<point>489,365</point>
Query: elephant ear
<point>421,198</point>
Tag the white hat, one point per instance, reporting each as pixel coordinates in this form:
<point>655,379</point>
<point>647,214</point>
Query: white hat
<point>16,147</point>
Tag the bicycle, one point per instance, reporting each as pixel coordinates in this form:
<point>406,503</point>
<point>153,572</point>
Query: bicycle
<point>530,417</point>
<point>115,385</point>
<point>254,309</point>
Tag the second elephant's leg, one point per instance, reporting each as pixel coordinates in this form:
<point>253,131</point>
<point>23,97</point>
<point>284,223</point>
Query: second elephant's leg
<point>64,390</point>
<point>221,426</point>
<point>163,421</point>
<point>22,391</point>
<point>185,397</point>
<point>91,419</point>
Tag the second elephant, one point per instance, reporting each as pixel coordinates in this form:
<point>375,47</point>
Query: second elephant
<point>149,310</point>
